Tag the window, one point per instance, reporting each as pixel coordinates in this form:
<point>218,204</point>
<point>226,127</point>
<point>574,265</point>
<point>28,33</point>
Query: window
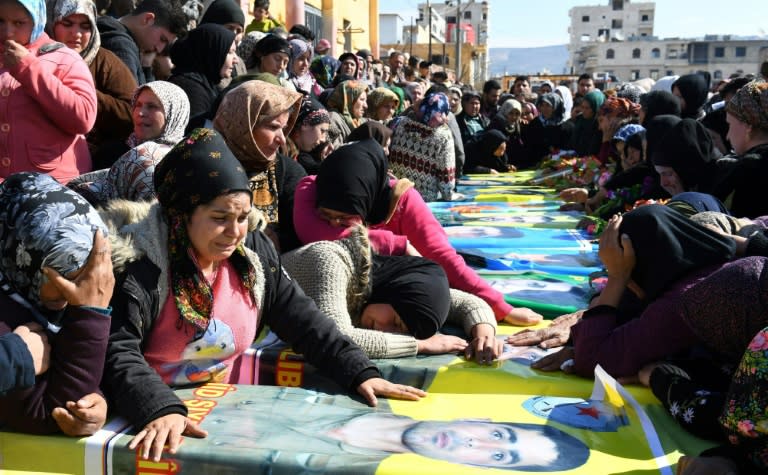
<point>618,4</point>
<point>655,74</point>
<point>468,15</point>
<point>585,37</point>
<point>669,73</point>
<point>585,19</point>
<point>719,52</point>
<point>636,53</point>
<point>448,19</point>
<point>485,17</point>
<point>655,53</point>
<point>644,18</point>
<point>671,54</point>
<point>741,51</point>
<point>616,24</point>
<point>634,75</point>
<point>604,32</point>
<point>718,74</point>
<point>609,54</point>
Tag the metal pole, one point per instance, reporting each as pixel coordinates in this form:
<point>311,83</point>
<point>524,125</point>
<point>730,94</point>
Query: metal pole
<point>457,30</point>
<point>410,39</point>
<point>429,7</point>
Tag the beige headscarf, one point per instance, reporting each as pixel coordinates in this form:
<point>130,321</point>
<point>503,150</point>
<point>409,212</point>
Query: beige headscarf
<point>243,108</point>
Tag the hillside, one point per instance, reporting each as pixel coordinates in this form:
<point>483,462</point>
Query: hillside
<point>528,60</point>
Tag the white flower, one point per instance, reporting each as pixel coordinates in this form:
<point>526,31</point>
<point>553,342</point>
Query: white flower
<point>674,409</point>
<point>23,259</point>
<point>688,415</point>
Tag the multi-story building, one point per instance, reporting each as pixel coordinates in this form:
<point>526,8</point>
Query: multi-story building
<point>617,39</point>
<point>391,29</point>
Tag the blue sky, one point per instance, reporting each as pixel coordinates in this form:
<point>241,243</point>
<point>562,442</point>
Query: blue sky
<point>527,23</point>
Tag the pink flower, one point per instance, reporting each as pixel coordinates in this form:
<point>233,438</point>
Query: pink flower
<point>746,428</point>
<point>759,342</point>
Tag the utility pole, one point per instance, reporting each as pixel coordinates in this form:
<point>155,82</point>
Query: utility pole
<point>458,41</point>
<point>429,7</point>
<point>410,39</point>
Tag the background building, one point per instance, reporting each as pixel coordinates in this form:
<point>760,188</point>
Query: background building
<point>617,39</point>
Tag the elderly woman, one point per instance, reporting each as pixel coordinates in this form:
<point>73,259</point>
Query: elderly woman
<point>73,22</point>
<point>254,119</point>
<point>382,105</point>
<point>55,91</point>
<point>353,187</point>
<point>744,176</point>
<point>201,60</point>
<point>55,276</point>
<point>298,69</point>
<point>160,116</point>
<point>392,306</point>
<point>347,105</point>
<point>190,325</point>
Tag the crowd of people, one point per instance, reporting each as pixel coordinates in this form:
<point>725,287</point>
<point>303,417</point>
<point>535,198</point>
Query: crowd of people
<point>166,167</point>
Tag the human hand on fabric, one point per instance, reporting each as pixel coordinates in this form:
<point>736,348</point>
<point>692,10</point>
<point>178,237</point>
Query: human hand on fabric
<point>439,344</point>
<point>94,285</point>
<point>484,347</point>
<point>33,335</point>
<point>169,428</point>
<point>411,251</point>
<point>523,317</point>
<point>556,334</point>
<point>616,252</point>
<point>14,53</point>
<point>562,360</point>
<point>373,387</point>
<point>82,418</point>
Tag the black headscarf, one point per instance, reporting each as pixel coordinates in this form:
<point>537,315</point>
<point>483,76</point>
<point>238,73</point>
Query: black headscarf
<point>668,246</point>
<point>351,56</point>
<point>655,131</point>
<point>204,50</point>
<point>694,89</point>
<point>657,103</point>
<point>417,289</point>
<point>222,12</point>
<point>371,130</point>
<point>354,179</point>
<point>196,171</point>
<point>687,148</point>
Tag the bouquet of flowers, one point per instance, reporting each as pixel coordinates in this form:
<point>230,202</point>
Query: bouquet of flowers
<point>563,169</point>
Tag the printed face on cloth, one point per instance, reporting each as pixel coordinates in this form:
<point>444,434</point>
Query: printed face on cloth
<point>354,180</point>
<point>195,172</point>
<point>668,246</point>
<point>62,9</point>
<point>243,109</point>
<point>42,224</point>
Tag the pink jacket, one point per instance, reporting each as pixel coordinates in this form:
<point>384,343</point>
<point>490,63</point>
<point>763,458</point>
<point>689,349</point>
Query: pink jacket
<point>411,222</point>
<point>47,105</point>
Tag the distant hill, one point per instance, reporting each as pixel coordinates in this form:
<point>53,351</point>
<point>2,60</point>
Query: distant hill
<point>528,60</point>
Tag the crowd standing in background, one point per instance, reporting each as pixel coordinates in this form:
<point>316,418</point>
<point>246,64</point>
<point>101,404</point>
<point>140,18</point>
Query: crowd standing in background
<point>211,147</point>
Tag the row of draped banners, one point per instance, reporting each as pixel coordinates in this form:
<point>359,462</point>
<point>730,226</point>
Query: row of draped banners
<point>284,418</point>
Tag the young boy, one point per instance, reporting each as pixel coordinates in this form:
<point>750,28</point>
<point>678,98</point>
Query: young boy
<point>262,20</point>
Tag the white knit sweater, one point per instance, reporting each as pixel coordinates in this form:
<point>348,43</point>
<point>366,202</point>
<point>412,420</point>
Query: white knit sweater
<point>332,274</point>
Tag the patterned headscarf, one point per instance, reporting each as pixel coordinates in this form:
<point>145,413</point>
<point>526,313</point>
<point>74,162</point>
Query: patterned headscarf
<point>627,131</point>
<point>60,9</point>
<point>37,10</point>
<point>619,107</point>
<point>243,109</point>
<point>42,224</point>
<point>342,99</point>
<point>629,91</point>
<point>304,82</point>
<point>196,171</point>
<point>247,45</point>
<point>175,107</point>
<point>434,110</point>
<point>312,113</point>
<point>750,105</point>
<point>379,96</point>
<point>323,68</point>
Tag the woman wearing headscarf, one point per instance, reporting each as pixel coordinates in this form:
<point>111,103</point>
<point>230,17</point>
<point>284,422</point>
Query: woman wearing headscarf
<point>657,103</point>
<point>228,14</point>
<point>323,68</point>
<point>347,105</point>
<point>254,119</point>
<point>692,90</point>
<point>189,325</point>
<point>587,137</point>
<point>391,306</point>
<point>567,96</point>
<point>348,66</point>
<point>73,22</point>
<point>353,187</point>
<point>309,135</point>
<point>742,177</point>
<point>382,105</point>
<point>487,154</point>
<point>615,113</point>
<point>201,60</point>
<point>372,130</point>
<point>298,68</point>
<point>52,86</point>
<point>55,277</point>
<point>160,115</point>
<point>508,121</point>
<point>550,130</point>
<point>422,149</point>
